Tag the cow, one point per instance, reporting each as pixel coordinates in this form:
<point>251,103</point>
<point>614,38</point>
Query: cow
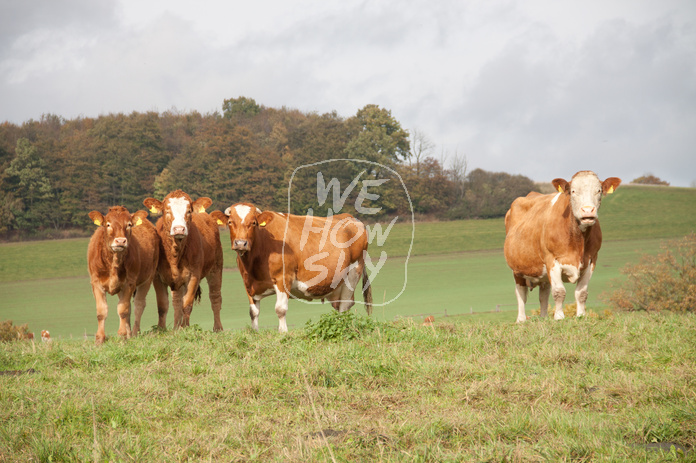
<point>122,258</point>
<point>555,238</point>
<point>303,257</point>
<point>190,250</point>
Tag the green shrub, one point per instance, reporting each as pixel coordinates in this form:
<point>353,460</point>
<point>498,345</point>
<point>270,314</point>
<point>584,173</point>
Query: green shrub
<point>666,281</point>
<point>10,332</point>
<point>336,326</point>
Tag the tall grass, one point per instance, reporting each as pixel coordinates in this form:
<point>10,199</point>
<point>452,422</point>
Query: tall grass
<point>577,390</point>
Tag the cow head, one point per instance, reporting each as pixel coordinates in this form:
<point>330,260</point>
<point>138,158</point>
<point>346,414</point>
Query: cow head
<point>243,220</point>
<point>117,226</point>
<point>177,208</point>
<point>586,190</point>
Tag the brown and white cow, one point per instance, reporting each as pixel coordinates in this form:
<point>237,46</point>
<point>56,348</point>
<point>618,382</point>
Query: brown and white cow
<point>555,238</point>
<point>122,259</point>
<point>303,257</point>
<point>190,250</point>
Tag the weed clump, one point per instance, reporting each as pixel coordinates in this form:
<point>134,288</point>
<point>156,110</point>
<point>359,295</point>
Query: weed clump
<point>666,281</point>
<point>336,326</point>
<point>10,332</point>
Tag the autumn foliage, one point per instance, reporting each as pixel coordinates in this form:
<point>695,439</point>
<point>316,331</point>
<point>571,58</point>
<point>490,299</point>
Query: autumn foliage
<point>666,281</point>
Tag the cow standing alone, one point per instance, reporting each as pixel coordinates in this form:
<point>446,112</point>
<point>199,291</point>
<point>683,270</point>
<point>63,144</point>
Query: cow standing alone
<point>190,251</point>
<point>555,238</point>
<point>122,259</point>
<point>304,257</point>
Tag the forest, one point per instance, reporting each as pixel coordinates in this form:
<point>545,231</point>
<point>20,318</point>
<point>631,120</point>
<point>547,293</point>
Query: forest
<point>54,171</point>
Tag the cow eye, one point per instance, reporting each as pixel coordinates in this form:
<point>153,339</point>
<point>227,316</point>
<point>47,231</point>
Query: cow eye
<point>130,224</point>
<point>254,223</point>
<point>108,224</point>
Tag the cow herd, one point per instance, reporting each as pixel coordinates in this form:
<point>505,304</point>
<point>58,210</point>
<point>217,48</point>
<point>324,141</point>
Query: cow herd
<point>549,240</point>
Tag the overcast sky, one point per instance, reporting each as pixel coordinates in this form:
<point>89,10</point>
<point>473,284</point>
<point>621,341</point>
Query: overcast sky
<point>542,88</point>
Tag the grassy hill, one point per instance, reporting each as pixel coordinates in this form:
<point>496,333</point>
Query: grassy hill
<point>455,267</point>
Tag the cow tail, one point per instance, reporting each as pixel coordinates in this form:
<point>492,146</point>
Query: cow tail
<point>367,291</point>
<point>197,297</point>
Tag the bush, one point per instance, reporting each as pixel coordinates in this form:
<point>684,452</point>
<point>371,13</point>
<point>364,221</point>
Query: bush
<point>666,281</point>
<point>336,326</point>
<point>9,332</point>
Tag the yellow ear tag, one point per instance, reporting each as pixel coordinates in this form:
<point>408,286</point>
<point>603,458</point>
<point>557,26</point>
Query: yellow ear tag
<point>610,190</point>
<point>560,189</point>
<point>220,222</point>
<point>97,222</point>
<point>262,224</point>
<point>154,210</point>
<point>201,210</point>
<point>138,222</point>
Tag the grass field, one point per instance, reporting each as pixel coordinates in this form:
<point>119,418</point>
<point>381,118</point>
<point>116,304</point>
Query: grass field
<point>455,268</point>
<point>469,388</point>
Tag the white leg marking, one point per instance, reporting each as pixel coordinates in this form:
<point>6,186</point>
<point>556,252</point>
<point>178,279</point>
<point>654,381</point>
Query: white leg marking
<point>558,290</point>
<point>254,311</point>
<point>521,293</point>
<point>581,290</point>
<point>281,309</point>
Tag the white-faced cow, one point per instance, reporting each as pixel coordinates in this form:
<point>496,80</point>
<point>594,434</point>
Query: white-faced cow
<point>304,257</point>
<point>555,238</point>
<point>122,259</point>
<point>190,251</point>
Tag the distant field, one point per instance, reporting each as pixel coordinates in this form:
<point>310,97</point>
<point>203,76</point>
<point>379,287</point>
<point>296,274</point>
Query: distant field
<point>455,267</point>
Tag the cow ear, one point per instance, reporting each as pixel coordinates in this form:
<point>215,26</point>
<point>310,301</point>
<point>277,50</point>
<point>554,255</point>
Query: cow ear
<point>97,218</point>
<point>201,204</point>
<point>610,184</point>
<point>219,217</point>
<point>154,205</point>
<point>138,217</point>
<point>264,218</point>
<point>560,185</point>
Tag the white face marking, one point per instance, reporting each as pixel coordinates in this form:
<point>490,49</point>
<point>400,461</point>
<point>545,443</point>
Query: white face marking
<point>585,196</point>
<point>178,207</point>
<point>242,211</point>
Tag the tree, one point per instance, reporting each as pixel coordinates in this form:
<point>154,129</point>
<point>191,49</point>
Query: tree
<point>377,137</point>
<point>421,148</point>
<point>240,107</point>
<point>650,179</point>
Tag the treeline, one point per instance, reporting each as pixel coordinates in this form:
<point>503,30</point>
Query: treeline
<point>54,171</point>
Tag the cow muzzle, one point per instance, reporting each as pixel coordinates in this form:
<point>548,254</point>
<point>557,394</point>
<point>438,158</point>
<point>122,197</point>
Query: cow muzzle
<point>240,246</point>
<point>588,215</point>
<point>178,232</point>
<point>119,244</point>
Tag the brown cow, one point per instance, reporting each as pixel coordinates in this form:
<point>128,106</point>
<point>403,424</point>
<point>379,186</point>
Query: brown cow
<point>304,257</point>
<point>555,238</point>
<point>122,259</point>
<point>190,251</point>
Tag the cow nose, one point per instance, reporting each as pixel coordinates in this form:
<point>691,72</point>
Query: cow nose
<point>241,244</point>
<point>588,210</point>
<point>178,230</point>
<point>120,242</point>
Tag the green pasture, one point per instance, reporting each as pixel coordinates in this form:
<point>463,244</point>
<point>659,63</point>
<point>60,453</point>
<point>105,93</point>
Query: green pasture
<point>455,268</point>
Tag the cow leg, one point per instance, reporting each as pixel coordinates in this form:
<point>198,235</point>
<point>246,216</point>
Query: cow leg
<point>189,296</point>
<point>162,302</point>
<point>177,302</point>
<point>581,291</point>
<point>347,292</point>
<point>254,311</point>
<point>139,305</point>
<point>214,287</point>
<point>557,290</point>
<point>544,291</point>
<point>124,308</point>
<point>521,293</point>
<point>102,311</point>
<point>281,308</point>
